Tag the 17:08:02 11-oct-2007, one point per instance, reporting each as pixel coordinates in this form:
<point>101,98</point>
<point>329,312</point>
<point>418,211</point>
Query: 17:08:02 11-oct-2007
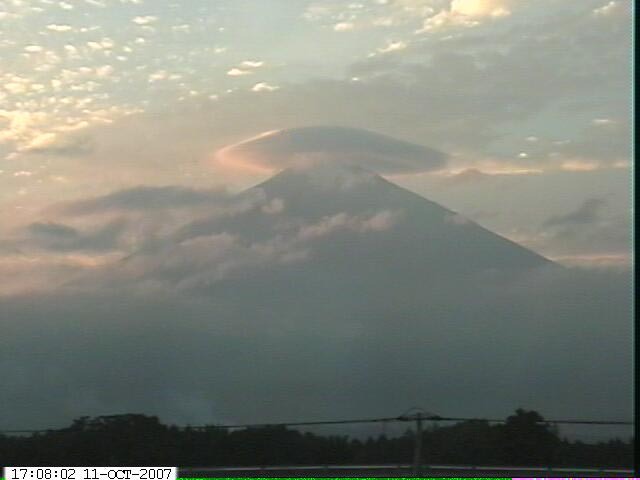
<point>90,473</point>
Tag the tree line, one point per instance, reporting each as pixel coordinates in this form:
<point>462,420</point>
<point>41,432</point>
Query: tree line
<point>134,439</point>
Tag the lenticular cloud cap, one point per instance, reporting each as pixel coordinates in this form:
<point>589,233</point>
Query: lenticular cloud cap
<point>280,149</point>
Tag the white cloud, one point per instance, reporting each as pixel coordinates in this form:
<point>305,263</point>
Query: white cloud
<point>467,13</point>
<point>104,70</point>
<point>41,141</point>
<point>15,87</point>
<point>94,45</point>
<point>480,8</point>
<point>343,26</point>
<point>245,68</point>
<point>107,43</point>
<point>144,20</point>
<point>393,47</point>
<point>252,64</point>
<point>23,125</point>
<point>331,145</point>
<point>33,48</point>
<point>381,221</point>
<point>316,12</point>
<point>275,206</point>
<point>159,75</point>
<point>603,121</point>
<point>236,72</point>
<point>578,165</point>
<point>185,28</point>
<point>378,222</point>
<point>264,87</point>
<point>59,28</point>
<point>608,9</point>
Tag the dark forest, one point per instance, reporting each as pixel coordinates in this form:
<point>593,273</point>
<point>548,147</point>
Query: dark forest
<point>135,439</point>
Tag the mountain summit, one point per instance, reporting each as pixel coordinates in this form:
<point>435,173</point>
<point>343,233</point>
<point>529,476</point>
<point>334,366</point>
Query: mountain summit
<point>418,234</point>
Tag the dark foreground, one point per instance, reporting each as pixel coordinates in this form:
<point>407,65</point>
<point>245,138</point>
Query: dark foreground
<point>132,439</point>
<point>403,470</point>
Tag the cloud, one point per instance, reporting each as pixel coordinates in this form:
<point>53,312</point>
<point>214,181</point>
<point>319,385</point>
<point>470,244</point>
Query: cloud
<point>605,141</point>
<point>302,348</point>
<point>393,47</point>
<point>143,198</point>
<point>251,64</point>
<point>236,72</point>
<point>380,221</point>
<point>394,13</point>
<point>481,8</point>
<point>466,13</point>
<point>464,92</point>
<point>587,212</point>
<point>467,175</point>
<point>245,68</point>
<point>264,87</point>
<point>579,165</point>
<point>60,145</point>
<point>144,20</point>
<point>343,26</point>
<point>611,8</point>
<point>33,49</point>
<point>605,260</point>
<point>593,234</point>
<point>185,28</point>
<point>59,28</point>
<point>63,238</point>
<point>603,121</point>
<point>473,68</point>
<point>284,148</point>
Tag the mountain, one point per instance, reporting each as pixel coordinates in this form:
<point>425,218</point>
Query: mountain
<point>325,292</point>
<point>363,235</point>
<point>346,244</point>
<point>433,236</point>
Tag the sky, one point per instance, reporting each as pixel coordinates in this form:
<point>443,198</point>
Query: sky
<point>531,101</point>
<point>128,125</point>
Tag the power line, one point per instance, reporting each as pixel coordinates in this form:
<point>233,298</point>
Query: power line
<point>434,418</point>
<point>402,418</point>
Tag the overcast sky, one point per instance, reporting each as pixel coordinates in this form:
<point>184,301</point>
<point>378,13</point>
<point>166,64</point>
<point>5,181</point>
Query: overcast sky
<point>127,125</point>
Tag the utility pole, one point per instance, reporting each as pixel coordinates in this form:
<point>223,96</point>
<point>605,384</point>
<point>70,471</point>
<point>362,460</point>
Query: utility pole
<point>417,453</point>
<point>418,416</point>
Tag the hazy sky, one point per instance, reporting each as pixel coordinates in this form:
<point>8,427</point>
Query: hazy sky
<point>126,125</point>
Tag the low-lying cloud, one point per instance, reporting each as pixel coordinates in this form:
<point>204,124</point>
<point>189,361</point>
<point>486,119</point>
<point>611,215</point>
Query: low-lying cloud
<point>587,212</point>
<point>258,346</point>
<point>60,237</point>
<point>144,198</point>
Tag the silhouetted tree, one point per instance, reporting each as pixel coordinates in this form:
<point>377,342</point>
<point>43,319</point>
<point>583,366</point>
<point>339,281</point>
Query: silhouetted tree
<point>134,439</point>
<point>527,441</point>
